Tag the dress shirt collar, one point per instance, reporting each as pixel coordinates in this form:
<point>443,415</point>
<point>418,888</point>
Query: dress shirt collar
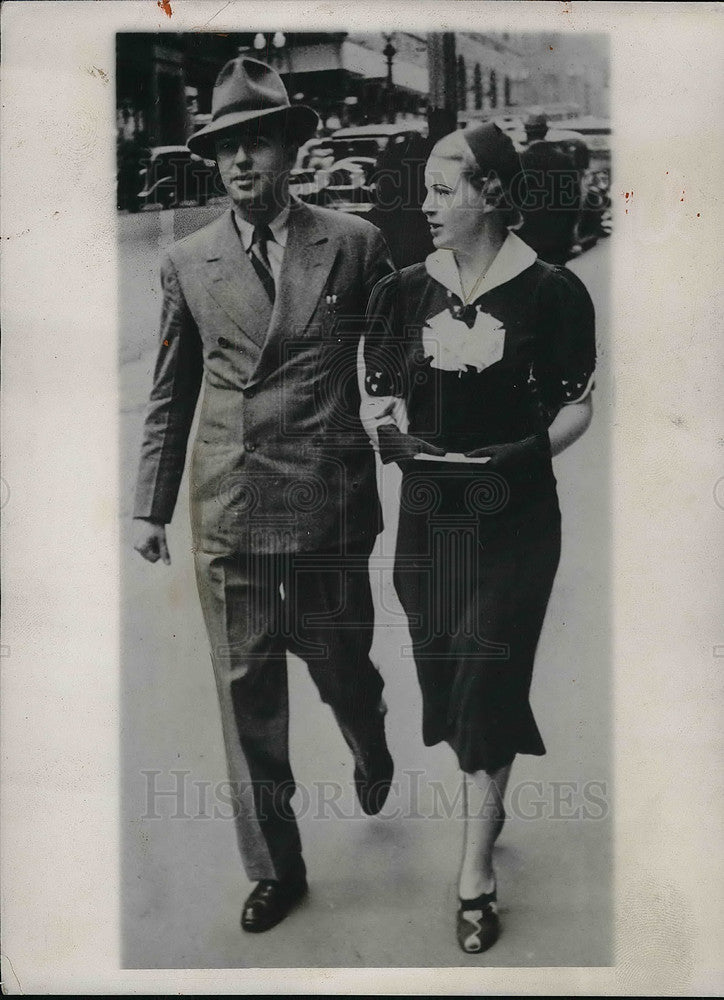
<point>279,228</point>
<point>512,259</point>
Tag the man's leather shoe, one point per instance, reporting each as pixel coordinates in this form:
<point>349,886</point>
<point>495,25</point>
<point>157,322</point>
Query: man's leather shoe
<point>373,775</point>
<point>271,900</point>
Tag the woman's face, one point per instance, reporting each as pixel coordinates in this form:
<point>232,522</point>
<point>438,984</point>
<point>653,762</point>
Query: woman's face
<point>454,209</point>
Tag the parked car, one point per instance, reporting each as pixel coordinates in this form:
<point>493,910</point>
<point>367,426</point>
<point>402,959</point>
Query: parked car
<point>596,212</point>
<point>595,217</point>
<point>315,154</point>
<point>562,137</point>
<point>366,141</point>
<point>305,184</point>
<point>597,134</point>
<point>508,123</point>
<point>173,175</point>
<point>371,140</point>
<point>336,171</point>
<point>346,184</point>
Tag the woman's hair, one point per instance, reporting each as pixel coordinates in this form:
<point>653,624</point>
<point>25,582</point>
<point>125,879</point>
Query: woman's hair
<point>454,147</point>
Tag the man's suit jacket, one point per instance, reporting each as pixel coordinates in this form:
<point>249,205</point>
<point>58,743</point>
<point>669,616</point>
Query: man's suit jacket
<point>280,462</point>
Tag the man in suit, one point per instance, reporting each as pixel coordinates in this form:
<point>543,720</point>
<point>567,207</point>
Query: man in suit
<point>555,167</point>
<point>265,306</point>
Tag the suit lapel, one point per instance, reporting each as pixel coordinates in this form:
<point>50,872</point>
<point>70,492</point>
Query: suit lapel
<point>308,260</point>
<point>232,281</point>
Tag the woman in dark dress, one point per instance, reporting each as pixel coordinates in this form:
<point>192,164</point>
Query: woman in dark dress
<point>478,366</point>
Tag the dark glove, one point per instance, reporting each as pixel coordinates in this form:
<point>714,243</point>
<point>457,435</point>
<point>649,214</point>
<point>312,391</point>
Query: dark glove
<point>398,447</point>
<point>512,454</point>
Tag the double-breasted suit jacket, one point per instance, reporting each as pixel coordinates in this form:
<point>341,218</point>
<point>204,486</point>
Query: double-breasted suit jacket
<point>284,504</point>
<point>280,462</point>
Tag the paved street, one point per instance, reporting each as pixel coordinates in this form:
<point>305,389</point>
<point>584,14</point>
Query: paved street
<point>382,890</point>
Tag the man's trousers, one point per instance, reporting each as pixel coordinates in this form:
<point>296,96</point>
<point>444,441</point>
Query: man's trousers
<point>318,606</point>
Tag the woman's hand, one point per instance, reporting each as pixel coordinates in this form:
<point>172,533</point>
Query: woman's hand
<point>511,453</point>
<point>398,447</point>
<point>569,424</point>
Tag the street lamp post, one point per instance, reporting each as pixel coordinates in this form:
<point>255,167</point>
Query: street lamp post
<point>389,52</point>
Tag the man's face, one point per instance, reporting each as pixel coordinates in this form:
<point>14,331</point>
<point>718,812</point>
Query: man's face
<point>254,164</point>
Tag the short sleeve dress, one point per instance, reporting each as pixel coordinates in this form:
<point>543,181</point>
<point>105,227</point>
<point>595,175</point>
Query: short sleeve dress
<point>477,550</point>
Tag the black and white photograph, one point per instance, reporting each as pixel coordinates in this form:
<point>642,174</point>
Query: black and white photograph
<point>391,244</point>
<point>360,498</point>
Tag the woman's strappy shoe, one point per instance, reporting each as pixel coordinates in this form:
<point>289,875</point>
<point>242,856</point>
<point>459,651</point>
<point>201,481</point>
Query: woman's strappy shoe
<point>478,926</point>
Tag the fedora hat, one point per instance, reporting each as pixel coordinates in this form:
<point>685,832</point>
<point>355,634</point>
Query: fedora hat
<point>247,90</point>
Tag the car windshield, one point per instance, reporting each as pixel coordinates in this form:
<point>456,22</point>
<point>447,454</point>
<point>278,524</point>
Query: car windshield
<point>357,147</point>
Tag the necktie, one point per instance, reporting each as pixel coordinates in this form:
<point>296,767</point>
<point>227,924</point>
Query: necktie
<point>260,258</point>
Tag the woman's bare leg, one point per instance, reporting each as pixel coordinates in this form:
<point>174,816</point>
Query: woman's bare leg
<point>484,815</point>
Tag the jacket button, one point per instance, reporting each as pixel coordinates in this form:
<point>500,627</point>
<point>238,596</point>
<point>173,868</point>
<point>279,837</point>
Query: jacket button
<point>249,446</point>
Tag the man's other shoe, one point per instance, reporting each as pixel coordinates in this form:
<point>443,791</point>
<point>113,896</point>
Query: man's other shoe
<point>373,777</point>
<point>271,900</point>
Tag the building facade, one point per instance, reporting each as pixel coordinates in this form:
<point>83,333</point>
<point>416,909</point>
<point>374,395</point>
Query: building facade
<point>165,80</point>
<point>491,74</point>
<point>567,71</point>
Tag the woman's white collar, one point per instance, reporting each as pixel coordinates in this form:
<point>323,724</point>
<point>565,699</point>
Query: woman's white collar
<point>512,259</point>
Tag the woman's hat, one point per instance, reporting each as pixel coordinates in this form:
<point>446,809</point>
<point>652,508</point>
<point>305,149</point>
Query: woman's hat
<point>246,90</point>
<point>495,154</point>
<point>494,151</point>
